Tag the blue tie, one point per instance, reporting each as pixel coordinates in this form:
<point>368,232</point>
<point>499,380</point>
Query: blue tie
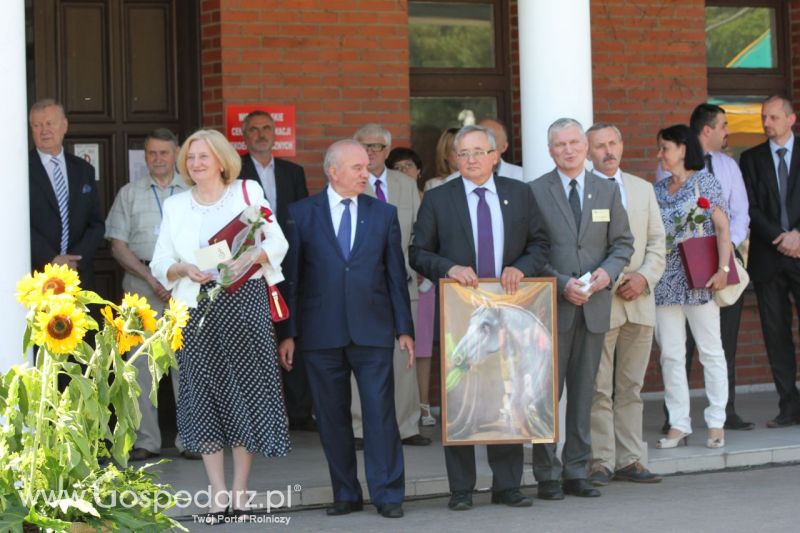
<point>62,196</point>
<point>343,234</point>
<point>486,267</point>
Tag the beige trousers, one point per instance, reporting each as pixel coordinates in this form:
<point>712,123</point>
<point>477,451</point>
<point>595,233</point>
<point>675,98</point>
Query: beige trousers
<point>617,402</point>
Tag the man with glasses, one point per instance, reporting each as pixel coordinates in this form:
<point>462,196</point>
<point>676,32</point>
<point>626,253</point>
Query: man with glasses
<point>480,226</point>
<point>397,189</point>
<point>589,238</point>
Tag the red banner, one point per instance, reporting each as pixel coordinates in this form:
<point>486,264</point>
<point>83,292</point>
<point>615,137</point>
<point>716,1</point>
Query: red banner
<point>283,115</point>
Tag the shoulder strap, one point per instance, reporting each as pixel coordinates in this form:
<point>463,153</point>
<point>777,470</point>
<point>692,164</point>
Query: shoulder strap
<point>244,192</point>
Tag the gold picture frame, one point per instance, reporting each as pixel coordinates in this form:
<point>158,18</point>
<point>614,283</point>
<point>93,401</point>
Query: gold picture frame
<point>499,363</point>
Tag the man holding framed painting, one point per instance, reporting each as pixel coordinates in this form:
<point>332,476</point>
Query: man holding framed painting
<point>480,226</point>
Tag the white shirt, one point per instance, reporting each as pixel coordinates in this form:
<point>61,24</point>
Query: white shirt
<point>48,167</point>
<point>621,184</point>
<point>384,179</point>
<point>565,183</point>
<point>337,210</point>
<point>498,228</point>
<point>773,148</point>
<point>507,170</point>
<point>266,175</point>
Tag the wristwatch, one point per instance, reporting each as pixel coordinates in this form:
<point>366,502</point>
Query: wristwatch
<point>725,268</point>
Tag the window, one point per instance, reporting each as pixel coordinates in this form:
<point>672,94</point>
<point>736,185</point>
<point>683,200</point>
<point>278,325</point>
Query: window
<point>460,70</point>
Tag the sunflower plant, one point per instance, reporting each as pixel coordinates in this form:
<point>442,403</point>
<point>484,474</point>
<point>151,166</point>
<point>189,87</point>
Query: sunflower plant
<point>60,448</point>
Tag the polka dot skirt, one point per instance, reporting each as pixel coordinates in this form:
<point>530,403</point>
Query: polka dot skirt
<point>230,391</point>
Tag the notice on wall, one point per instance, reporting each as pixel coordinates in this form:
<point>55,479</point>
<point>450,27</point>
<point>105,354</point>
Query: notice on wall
<point>285,123</point>
<point>137,167</point>
<point>91,154</point>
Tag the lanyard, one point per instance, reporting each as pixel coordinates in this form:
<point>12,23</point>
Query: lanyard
<point>158,201</point>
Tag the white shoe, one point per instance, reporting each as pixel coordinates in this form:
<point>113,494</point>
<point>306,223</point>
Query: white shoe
<point>426,419</point>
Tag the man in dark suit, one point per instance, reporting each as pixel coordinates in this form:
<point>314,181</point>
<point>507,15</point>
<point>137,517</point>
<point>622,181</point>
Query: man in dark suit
<point>589,234</point>
<point>66,217</point>
<point>348,301</point>
<point>480,226</point>
<point>771,172</point>
<point>283,182</point>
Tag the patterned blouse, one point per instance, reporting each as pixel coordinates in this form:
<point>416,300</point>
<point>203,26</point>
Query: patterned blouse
<point>673,288</point>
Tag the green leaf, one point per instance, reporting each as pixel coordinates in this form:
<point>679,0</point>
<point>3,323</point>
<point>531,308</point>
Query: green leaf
<point>90,297</point>
<point>26,338</point>
<point>46,522</point>
<point>699,219</point>
<point>85,507</point>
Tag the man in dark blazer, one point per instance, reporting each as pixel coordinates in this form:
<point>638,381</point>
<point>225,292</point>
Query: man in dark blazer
<point>589,234</point>
<point>283,182</point>
<point>450,240</point>
<point>48,164</point>
<point>348,301</point>
<point>771,172</point>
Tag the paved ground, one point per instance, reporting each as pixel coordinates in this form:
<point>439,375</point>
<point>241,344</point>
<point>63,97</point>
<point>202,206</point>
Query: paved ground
<point>762,499</point>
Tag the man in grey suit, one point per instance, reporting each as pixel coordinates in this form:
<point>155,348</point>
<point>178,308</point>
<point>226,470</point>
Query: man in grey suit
<point>399,190</point>
<point>480,226</point>
<point>590,244</point>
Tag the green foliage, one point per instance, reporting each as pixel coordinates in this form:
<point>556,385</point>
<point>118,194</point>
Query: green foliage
<point>451,46</point>
<point>52,440</point>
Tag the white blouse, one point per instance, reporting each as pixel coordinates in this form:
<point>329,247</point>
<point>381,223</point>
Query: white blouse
<point>187,226</point>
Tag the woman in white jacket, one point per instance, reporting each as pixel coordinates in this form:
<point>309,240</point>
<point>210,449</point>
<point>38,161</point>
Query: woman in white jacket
<point>230,387</point>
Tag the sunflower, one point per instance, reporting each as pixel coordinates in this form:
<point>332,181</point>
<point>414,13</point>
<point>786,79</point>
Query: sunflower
<point>60,327</point>
<point>146,314</point>
<point>56,280</point>
<point>178,315</point>
<point>125,341</point>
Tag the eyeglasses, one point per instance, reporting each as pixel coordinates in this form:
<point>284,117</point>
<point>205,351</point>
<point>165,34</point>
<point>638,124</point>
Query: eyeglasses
<point>405,165</point>
<point>374,147</point>
<point>475,154</point>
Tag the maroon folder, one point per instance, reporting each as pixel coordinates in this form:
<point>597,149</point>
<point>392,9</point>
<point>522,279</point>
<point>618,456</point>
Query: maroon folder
<point>700,261</point>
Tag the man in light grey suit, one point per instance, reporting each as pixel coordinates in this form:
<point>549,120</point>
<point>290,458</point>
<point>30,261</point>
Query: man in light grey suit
<point>401,191</point>
<point>589,239</point>
<point>617,404</point>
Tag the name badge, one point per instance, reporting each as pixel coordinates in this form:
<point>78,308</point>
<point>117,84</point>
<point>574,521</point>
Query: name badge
<point>209,257</point>
<point>601,215</point>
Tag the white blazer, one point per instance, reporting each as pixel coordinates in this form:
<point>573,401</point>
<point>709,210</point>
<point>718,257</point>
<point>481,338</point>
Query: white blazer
<point>180,233</point>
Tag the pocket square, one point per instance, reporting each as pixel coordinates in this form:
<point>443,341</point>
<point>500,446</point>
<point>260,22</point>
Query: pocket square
<point>86,189</point>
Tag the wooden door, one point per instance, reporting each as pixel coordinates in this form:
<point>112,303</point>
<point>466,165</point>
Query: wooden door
<point>121,68</point>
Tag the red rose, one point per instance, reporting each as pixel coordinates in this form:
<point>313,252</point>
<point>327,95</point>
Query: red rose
<point>703,203</point>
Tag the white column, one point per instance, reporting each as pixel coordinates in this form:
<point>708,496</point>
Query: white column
<point>14,216</point>
<point>555,54</point>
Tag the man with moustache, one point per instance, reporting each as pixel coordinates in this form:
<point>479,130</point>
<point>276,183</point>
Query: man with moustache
<point>348,302</point>
<point>283,182</point>
<point>589,234</point>
<point>480,226</point>
<point>617,403</point>
<point>771,171</point>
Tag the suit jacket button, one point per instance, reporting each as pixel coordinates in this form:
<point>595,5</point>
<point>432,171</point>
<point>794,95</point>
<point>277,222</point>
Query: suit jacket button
<point>347,269</point>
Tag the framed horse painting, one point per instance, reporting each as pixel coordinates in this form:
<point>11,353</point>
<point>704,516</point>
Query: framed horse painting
<point>499,363</point>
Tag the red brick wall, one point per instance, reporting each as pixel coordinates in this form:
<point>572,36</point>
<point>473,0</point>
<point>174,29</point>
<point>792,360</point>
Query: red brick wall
<point>342,63</point>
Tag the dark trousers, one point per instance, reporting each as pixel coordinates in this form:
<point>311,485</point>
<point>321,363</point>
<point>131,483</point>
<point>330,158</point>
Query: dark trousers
<point>775,309</point>
<point>296,391</point>
<point>505,461</point>
<point>329,376</point>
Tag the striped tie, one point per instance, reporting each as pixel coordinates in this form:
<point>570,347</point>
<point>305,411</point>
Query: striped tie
<point>62,195</point>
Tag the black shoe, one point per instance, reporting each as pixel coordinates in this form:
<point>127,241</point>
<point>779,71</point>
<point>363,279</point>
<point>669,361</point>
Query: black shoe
<point>416,440</point>
<point>783,421</point>
<point>214,519</point>
<point>550,490</point>
<point>303,424</point>
<point>665,427</point>
<point>460,501</point>
<point>512,498</point>
<point>391,510</point>
<point>192,456</point>
<point>600,476</point>
<point>581,488</point>
<point>735,422</point>
<point>342,508</point>
<point>637,473</point>
<point>141,454</point>
<point>242,516</point>
<point>358,443</point>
